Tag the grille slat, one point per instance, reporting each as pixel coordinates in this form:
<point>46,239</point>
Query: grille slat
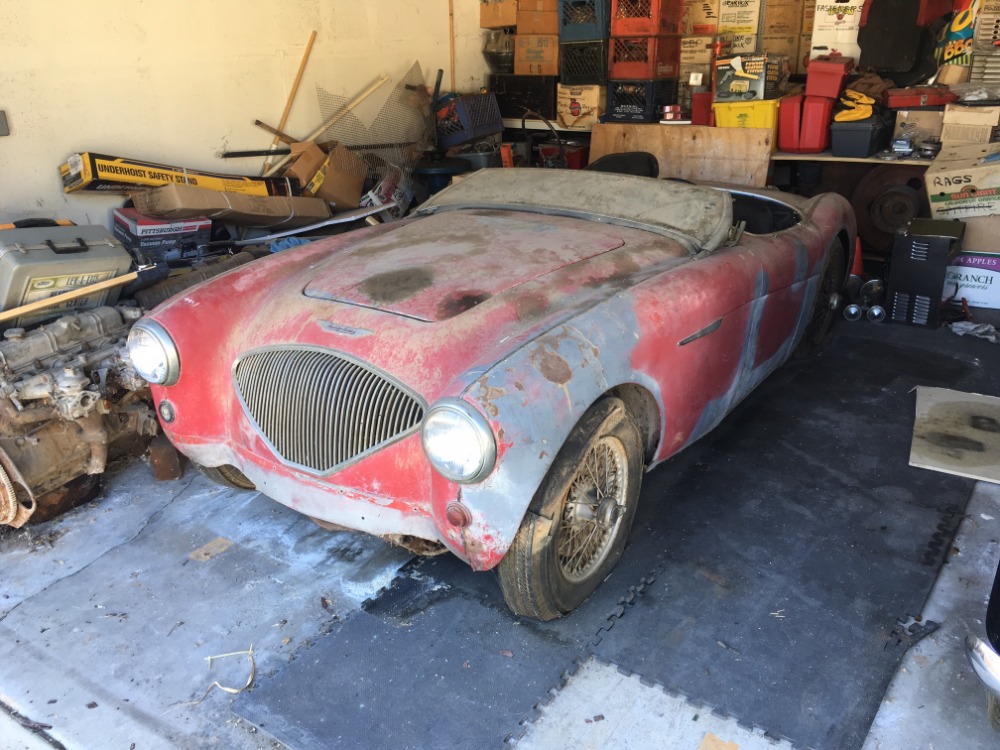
<point>320,410</point>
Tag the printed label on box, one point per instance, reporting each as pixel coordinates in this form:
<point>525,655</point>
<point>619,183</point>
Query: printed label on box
<point>974,277</point>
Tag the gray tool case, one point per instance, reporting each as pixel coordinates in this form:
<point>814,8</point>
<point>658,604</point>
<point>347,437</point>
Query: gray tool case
<point>39,262</point>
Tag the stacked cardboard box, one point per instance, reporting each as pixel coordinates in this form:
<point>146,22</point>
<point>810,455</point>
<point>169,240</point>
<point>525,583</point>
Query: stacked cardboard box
<point>835,28</point>
<point>968,125</point>
<point>740,19</point>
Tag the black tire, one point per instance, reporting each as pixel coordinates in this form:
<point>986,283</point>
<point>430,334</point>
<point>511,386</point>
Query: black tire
<point>551,568</point>
<point>993,711</point>
<point>828,296</point>
<point>228,476</point>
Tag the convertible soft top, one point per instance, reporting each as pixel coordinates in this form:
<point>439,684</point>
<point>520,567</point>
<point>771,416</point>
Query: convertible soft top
<point>699,216</point>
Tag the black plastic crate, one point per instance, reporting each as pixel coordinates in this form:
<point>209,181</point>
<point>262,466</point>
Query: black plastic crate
<point>584,20</point>
<point>640,101</point>
<point>517,93</point>
<point>583,63</point>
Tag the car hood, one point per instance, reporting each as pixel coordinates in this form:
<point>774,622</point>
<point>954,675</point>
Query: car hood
<point>438,267</point>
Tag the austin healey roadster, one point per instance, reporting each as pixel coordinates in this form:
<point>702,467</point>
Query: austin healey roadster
<point>492,375</point>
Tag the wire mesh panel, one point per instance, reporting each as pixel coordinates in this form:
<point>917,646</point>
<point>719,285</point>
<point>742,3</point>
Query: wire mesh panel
<point>584,20</point>
<point>646,17</point>
<point>583,63</point>
<point>640,101</point>
<point>644,57</point>
<point>395,137</point>
<point>468,118</point>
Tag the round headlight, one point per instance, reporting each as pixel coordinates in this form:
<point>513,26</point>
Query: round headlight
<point>458,441</point>
<point>153,353</point>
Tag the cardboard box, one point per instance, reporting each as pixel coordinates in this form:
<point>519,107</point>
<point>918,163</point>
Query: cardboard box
<point>700,17</point>
<point>831,15</point>
<point>580,107</point>
<point>952,75</point>
<point>540,6</point>
<point>964,181</point>
<point>497,14</point>
<point>982,234</point>
<point>535,22</point>
<point>184,202</point>
<point>696,50</point>
<point>536,55</point>
<point>918,124</point>
<point>974,277</point>
<point>782,19</point>
<point>808,16</point>
<point>157,239</point>
<point>952,134</point>
<point>783,46</point>
<point>961,114</point>
<point>741,19</point>
<point>835,42</point>
<point>337,177</point>
<point>118,174</point>
<point>740,78</point>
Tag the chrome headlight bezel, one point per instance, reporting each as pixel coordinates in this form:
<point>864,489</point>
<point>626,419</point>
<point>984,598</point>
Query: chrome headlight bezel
<point>476,428</point>
<point>171,364</point>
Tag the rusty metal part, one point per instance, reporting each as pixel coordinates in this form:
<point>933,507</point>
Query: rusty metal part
<point>76,492</point>
<point>416,545</point>
<point>165,459</point>
<point>69,402</point>
<point>8,498</point>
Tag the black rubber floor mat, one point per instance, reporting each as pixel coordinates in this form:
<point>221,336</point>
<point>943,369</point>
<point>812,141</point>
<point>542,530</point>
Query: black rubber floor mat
<point>797,536</point>
<point>767,570</point>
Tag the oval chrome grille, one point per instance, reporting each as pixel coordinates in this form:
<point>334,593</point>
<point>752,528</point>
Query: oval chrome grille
<point>320,410</point>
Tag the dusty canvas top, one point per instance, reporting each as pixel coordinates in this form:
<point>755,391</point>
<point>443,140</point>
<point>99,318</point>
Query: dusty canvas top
<point>701,214</point>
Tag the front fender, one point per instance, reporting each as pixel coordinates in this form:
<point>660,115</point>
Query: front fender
<point>533,399</point>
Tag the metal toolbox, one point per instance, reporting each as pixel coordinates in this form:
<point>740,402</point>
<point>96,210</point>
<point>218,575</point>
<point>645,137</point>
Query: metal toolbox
<point>40,262</point>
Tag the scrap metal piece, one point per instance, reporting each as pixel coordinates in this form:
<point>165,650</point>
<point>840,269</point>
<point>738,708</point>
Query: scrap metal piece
<point>164,458</point>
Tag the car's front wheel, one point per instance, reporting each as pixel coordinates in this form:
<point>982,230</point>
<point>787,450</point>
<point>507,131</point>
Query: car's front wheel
<point>228,476</point>
<point>575,531</point>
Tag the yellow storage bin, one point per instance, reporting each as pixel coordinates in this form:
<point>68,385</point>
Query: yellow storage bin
<point>759,114</point>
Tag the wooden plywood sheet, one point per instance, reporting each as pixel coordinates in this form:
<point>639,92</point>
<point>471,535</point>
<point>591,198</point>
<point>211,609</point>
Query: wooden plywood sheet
<point>957,433</point>
<point>738,156</point>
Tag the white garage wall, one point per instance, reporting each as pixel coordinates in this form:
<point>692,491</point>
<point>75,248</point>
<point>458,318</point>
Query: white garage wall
<point>176,81</point>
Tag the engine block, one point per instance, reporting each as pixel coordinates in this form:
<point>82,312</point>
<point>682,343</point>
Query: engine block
<point>69,401</point>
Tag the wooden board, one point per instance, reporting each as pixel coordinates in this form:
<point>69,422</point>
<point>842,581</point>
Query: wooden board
<point>738,156</point>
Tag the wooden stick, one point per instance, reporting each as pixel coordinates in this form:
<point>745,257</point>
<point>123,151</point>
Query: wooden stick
<point>332,121</point>
<point>451,39</point>
<point>278,134</point>
<point>83,291</point>
<point>291,96</point>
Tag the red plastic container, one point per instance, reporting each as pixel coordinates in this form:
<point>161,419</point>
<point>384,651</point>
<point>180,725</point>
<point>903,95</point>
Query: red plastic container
<point>804,124</point>
<point>646,17</point>
<point>649,58</point>
<point>826,75</point>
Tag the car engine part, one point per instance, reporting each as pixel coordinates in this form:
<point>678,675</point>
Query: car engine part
<point>69,401</point>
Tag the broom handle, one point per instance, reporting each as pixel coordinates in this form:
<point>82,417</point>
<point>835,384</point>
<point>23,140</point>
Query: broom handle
<point>332,121</point>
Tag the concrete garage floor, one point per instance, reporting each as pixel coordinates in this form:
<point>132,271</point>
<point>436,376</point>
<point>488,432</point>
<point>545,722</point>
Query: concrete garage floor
<point>108,615</point>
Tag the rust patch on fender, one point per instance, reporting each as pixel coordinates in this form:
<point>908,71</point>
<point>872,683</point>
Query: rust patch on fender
<point>459,302</point>
<point>553,367</point>
<point>394,286</point>
<point>531,306</point>
<point>487,394</point>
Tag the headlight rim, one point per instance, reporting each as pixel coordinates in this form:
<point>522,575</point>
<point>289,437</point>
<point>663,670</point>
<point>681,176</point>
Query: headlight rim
<point>479,423</point>
<point>163,338</point>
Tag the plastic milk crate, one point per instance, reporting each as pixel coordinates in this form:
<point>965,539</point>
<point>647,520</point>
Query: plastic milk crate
<point>584,20</point>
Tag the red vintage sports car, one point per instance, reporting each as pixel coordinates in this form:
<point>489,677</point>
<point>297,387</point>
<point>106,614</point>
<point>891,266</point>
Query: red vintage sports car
<point>492,375</point>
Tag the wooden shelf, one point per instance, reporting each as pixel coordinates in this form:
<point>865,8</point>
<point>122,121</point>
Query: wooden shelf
<point>827,156</point>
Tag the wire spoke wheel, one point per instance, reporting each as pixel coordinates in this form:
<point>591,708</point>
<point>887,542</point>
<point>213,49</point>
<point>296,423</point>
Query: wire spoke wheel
<point>594,508</point>
<point>578,524</point>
